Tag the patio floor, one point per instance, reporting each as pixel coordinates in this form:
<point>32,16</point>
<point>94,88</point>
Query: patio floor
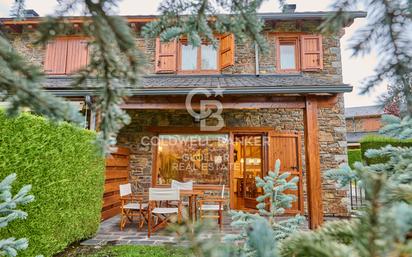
<point>110,234</point>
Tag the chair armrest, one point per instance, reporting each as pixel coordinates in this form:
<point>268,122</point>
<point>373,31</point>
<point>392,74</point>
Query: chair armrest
<point>215,200</point>
<point>131,198</point>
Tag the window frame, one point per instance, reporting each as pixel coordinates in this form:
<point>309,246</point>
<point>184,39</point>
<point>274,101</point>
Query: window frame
<point>198,69</point>
<point>288,40</point>
<point>155,160</point>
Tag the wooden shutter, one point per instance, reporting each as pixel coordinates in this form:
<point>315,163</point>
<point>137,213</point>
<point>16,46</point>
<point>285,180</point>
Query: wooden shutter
<point>77,54</point>
<point>287,148</point>
<point>165,56</point>
<point>311,52</point>
<point>56,57</point>
<point>227,51</point>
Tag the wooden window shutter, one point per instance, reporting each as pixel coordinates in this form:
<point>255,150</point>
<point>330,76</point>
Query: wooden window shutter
<point>311,52</point>
<point>166,54</point>
<point>56,57</point>
<point>227,51</point>
<point>77,54</point>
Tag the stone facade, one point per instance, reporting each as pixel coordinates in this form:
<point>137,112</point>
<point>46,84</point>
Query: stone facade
<point>331,120</point>
<point>244,51</point>
<point>332,141</point>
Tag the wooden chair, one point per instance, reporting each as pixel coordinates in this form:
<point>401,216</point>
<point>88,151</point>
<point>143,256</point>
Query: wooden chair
<point>181,186</point>
<point>213,204</point>
<point>162,214</point>
<point>131,206</point>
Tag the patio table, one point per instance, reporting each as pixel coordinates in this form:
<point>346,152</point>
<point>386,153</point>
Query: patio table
<point>192,194</point>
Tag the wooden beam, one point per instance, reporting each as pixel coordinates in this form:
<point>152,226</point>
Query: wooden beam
<point>228,102</point>
<point>312,154</point>
<point>196,106</point>
<point>78,19</point>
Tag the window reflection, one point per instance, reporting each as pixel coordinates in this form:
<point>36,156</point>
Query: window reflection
<point>203,159</point>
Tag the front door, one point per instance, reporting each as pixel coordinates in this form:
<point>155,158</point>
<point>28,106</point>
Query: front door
<point>287,148</point>
<point>248,164</point>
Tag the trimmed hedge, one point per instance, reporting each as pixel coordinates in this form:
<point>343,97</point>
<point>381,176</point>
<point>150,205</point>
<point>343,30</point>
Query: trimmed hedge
<point>376,142</point>
<point>66,172</point>
<point>354,155</point>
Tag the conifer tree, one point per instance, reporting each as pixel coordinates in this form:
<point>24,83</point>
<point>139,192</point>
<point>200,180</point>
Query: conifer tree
<point>9,213</point>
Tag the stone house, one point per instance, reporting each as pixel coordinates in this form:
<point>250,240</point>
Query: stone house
<point>362,121</point>
<point>223,116</point>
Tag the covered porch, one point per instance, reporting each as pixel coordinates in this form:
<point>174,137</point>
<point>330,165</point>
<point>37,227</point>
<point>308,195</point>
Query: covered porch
<point>286,126</point>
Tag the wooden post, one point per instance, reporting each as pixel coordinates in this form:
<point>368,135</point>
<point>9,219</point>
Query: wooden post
<point>312,154</point>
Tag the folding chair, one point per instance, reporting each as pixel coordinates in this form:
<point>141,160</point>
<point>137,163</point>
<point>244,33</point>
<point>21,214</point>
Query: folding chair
<point>163,214</point>
<point>213,204</point>
<point>181,186</point>
<point>131,206</point>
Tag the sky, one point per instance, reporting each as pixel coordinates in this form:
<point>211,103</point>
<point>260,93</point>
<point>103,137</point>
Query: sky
<point>354,69</point>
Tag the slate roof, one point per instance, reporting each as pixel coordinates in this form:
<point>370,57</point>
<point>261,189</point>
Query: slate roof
<point>362,111</point>
<point>210,81</point>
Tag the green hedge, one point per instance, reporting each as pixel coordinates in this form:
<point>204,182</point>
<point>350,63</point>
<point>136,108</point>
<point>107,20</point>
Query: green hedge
<point>376,142</point>
<point>62,164</point>
<point>354,155</point>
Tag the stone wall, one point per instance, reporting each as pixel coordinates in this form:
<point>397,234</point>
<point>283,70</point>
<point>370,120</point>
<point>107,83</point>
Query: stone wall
<point>244,51</point>
<point>332,141</point>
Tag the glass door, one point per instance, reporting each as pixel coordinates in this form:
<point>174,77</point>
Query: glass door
<point>248,165</point>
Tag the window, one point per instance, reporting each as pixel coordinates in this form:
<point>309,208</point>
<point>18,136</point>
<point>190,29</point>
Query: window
<point>209,58</point>
<point>179,57</point>
<point>300,52</point>
<point>189,57</point>
<point>287,54</point>
<point>65,55</point>
<point>203,159</point>
<point>287,57</point>
<point>198,59</point>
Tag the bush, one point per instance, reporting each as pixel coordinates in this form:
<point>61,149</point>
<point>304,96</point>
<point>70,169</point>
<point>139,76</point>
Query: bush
<point>377,142</point>
<point>354,155</point>
<point>66,172</point>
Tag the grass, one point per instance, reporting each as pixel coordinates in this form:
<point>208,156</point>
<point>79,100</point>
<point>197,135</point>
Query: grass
<point>138,251</point>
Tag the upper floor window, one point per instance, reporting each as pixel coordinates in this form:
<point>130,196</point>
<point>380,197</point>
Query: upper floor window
<point>288,54</point>
<point>296,53</point>
<point>183,58</point>
<point>200,59</point>
<point>66,55</point>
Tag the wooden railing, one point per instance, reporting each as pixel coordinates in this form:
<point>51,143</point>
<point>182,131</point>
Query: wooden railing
<point>117,173</point>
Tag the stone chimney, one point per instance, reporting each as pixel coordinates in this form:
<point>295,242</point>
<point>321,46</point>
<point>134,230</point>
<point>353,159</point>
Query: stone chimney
<point>289,8</point>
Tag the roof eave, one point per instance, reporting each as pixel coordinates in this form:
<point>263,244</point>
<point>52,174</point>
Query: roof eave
<point>332,89</point>
<point>149,18</point>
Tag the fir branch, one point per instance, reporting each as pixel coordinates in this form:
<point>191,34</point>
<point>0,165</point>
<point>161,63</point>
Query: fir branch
<point>387,31</point>
<point>198,20</point>
<point>9,213</point>
<point>20,84</point>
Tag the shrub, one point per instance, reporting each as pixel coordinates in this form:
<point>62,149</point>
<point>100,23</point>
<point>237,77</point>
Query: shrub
<point>354,155</point>
<point>65,170</point>
<point>377,142</point>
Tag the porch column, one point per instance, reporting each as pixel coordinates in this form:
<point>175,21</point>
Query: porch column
<point>312,160</point>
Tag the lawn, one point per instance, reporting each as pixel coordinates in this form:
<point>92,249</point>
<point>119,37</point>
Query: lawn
<point>137,251</point>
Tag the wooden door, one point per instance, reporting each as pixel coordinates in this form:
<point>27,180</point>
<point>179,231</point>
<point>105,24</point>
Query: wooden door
<point>287,148</point>
<point>247,165</point>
